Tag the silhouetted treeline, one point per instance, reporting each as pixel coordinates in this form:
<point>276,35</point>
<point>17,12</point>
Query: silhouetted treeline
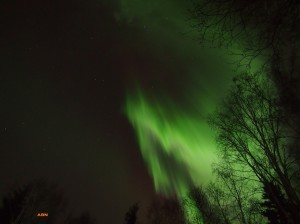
<point>162,210</point>
<point>38,202</point>
<point>258,122</point>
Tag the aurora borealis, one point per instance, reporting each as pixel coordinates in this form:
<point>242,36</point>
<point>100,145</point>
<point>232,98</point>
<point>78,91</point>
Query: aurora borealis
<point>175,141</point>
<point>173,146</point>
<point>172,143</point>
<point>109,99</point>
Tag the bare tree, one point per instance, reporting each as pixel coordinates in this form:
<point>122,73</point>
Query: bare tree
<point>236,193</point>
<point>205,211</point>
<point>221,201</point>
<point>259,123</point>
<point>268,30</point>
<point>252,133</point>
<point>266,27</point>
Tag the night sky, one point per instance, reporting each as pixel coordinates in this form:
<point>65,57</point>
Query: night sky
<point>66,67</point>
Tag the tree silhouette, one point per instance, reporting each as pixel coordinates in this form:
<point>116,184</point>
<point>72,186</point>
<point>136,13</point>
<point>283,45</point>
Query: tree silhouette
<point>165,211</point>
<point>268,30</point>
<point>252,133</point>
<point>131,215</point>
<point>234,194</point>
<point>262,27</point>
<point>12,205</point>
<point>206,209</point>
<point>273,198</point>
<point>220,200</point>
<point>273,201</point>
<point>259,123</point>
<point>25,204</point>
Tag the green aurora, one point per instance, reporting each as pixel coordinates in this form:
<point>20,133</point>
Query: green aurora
<point>176,147</point>
<point>175,140</point>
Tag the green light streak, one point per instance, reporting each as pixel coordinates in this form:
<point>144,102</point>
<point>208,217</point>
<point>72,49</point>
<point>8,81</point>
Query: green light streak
<point>177,147</point>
